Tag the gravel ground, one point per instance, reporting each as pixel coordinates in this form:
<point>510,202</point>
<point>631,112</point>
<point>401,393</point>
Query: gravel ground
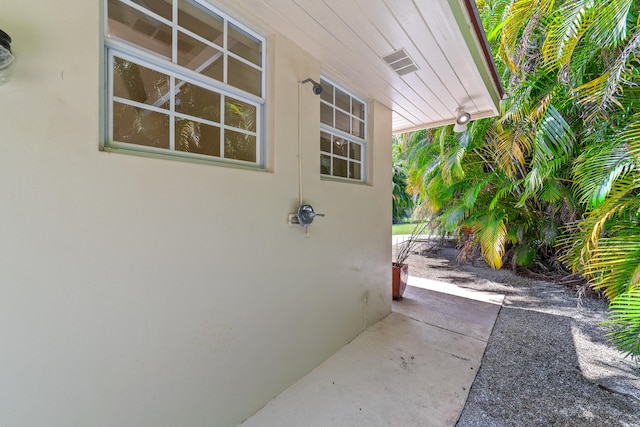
<point>547,362</point>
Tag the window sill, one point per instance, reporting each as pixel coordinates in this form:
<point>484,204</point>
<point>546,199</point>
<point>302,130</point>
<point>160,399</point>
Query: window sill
<point>342,180</point>
<point>184,157</point>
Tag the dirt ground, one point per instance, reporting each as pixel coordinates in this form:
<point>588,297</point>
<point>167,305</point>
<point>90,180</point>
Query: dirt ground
<point>548,362</point>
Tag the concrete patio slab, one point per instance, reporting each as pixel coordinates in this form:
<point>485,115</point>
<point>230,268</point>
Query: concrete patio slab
<point>450,307</point>
<point>415,367</point>
<point>453,289</point>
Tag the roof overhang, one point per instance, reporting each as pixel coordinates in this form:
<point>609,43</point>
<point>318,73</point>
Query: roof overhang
<point>350,38</point>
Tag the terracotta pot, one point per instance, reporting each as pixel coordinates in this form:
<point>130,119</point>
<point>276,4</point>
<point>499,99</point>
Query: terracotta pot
<point>399,276</point>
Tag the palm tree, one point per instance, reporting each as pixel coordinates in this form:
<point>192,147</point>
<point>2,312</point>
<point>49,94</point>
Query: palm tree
<point>593,47</point>
<point>402,200</point>
<point>559,170</point>
<point>599,45</point>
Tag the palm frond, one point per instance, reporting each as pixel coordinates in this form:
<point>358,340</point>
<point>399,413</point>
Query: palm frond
<point>600,93</point>
<point>491,229</point>
<point>613,264</point>
<point>551,191</point>
<point>597,169</point>
<point>515,18</point>
<point>610,27</point>
<point>625,321</point>
<point>631,136</point>
<point>565,31</point>
<point>553,147</point>
<point>453,216</point>
<point>189,134</point>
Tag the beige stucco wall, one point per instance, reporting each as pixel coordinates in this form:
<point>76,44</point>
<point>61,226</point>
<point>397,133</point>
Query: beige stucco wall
<point>138,291</point>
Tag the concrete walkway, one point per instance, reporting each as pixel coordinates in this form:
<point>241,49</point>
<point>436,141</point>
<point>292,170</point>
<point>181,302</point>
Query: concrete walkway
<point>413,368</point>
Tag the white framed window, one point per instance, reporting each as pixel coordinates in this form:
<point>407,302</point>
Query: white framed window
<point>343,133</point>
<point>183,79</point>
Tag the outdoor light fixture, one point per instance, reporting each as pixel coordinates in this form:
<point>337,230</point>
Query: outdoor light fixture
<point>462,120</point>
<point>317,87</point>
<point>6,57</point>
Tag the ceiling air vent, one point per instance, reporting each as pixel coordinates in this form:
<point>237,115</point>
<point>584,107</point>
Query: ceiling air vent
<point>400,62</point>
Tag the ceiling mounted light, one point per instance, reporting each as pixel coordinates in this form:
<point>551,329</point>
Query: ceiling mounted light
<point>462,120</point>
<point>6,57</point>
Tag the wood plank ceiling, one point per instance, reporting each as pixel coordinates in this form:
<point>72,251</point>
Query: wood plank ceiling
<point>350,38</point>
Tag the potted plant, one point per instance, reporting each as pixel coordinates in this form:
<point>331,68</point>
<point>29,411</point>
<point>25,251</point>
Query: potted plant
<point>400,269</point>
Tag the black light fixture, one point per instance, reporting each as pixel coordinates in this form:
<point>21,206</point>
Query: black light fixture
<point>317,87</point>
<point>462,120</point>
<point>6,57</point>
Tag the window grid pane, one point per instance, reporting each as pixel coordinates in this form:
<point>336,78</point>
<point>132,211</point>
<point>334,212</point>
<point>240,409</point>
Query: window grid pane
<point>200,57</point>
<point>143,30</point>
<point>325,142</point>
<point>162,8</point>
<point>342,115</point>
<point>195,137</point>
<point>140,127</point>
<point>198,119</point>
<point>244,45</point>
<point>326,114</point>
<point>202,34</point>
<point>340,157</point>
<point>204,23</point>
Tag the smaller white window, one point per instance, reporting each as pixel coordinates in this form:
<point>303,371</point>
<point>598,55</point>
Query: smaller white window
<point>343,139</point>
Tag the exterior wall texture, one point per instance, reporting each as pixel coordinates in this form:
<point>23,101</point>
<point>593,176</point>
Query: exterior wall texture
<point>140,291</point>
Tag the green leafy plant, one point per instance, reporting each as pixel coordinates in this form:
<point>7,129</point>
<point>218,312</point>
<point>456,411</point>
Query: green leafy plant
<point>625,322</point>
<point>554,181</point>
<point>402,200</point>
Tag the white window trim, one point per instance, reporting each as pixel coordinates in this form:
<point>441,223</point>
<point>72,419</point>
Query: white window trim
<point>345,135</point>
<point>140,55</point>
